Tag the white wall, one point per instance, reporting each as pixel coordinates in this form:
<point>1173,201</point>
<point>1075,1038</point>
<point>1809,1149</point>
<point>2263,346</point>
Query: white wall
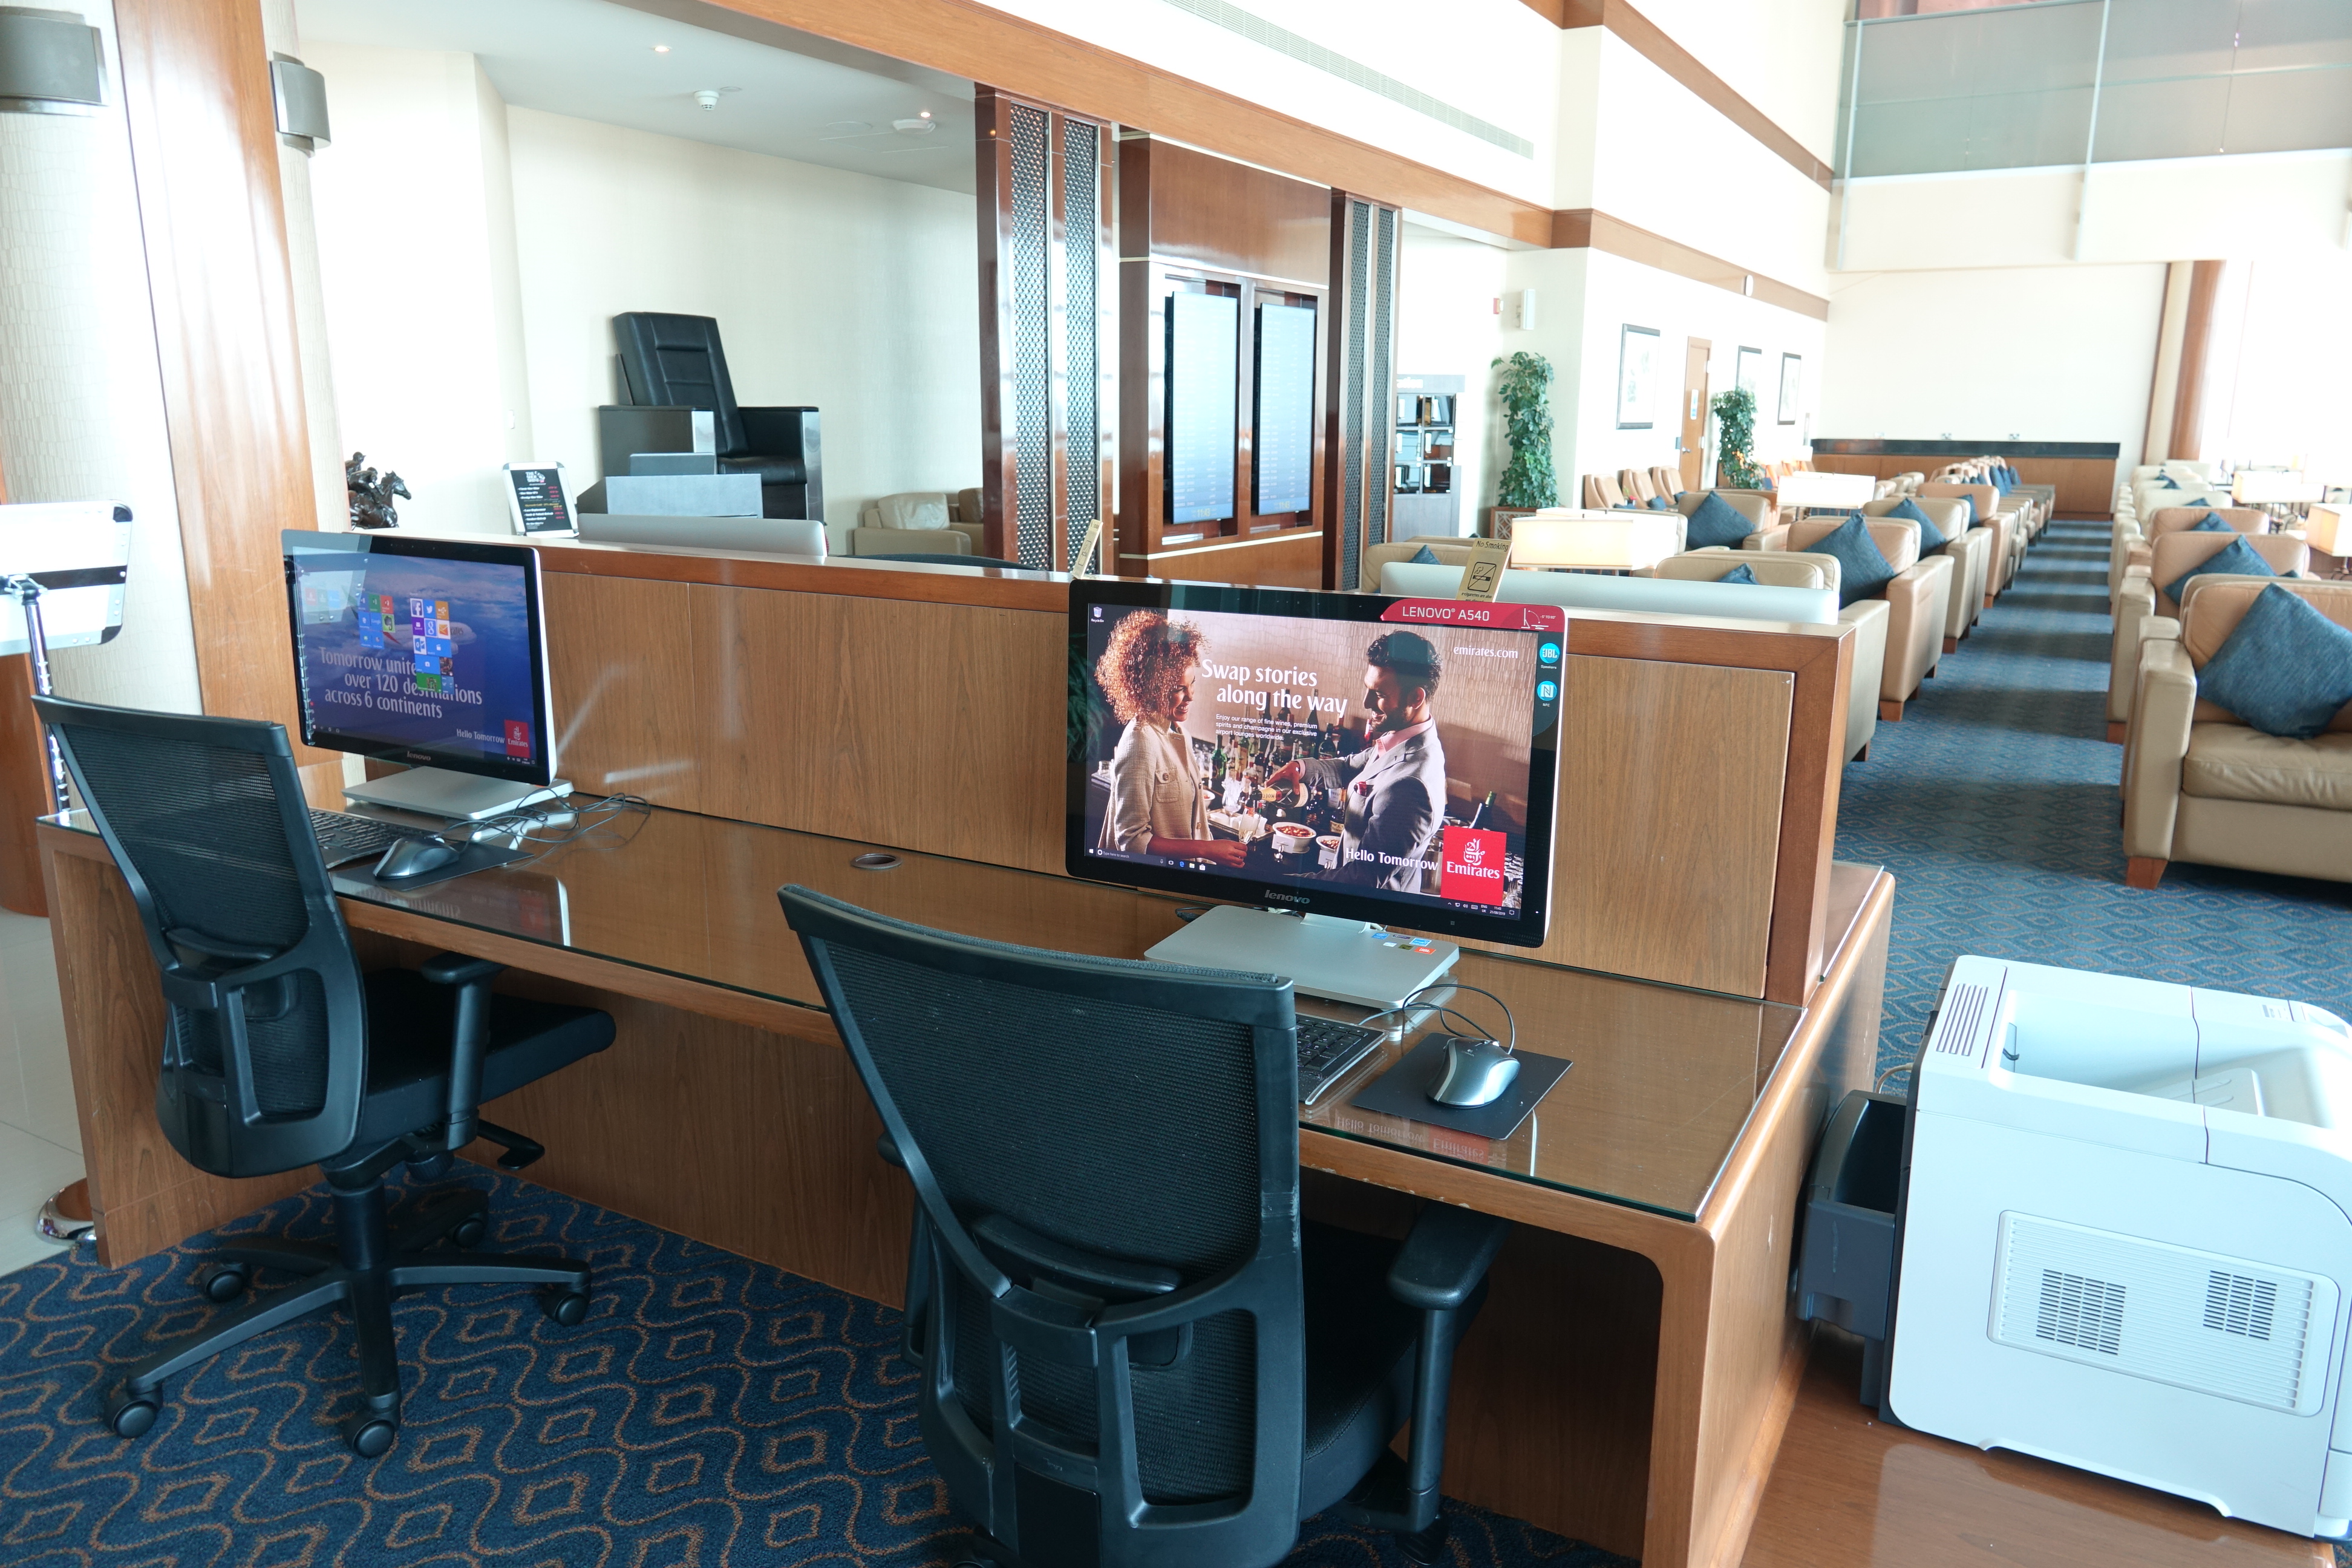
<point>1446,325</point>
<point>857,295</point>
<point>416,254</point>
<point>1619,293</point>
<point>81,391</point>
<point>1782,56</point>
<point>2168,209</point>
<point>1496,59</point>
<point>1666,162</point>
<point>2046,353</point>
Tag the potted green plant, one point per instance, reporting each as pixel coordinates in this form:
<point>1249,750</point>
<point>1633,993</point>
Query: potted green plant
<point>1735,421</point>
<point>1528,482</point>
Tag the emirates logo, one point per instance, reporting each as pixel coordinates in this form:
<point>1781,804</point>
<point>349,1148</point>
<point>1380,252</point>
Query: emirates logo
<point>1473,852</point>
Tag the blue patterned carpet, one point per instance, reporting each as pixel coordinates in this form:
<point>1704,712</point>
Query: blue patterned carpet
<point>1994,803</point>
<point>711,1413</point>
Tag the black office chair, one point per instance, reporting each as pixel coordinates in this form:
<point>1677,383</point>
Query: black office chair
<point>944,559</point>
<point>1134,1352</point>
<point>677,362</point>
<point>280,1054</point>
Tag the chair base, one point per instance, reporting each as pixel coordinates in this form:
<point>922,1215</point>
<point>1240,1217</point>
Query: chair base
<point>2143,871</point>
<point>1952,645</point>
<point>1889,711</point>
<point>371,1262</point>
<point>2117,731</point>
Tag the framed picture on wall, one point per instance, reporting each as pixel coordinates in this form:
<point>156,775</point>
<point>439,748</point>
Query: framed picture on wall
<point>1637,376</point>
<point>1747,372</point>
<point>1792,380</point>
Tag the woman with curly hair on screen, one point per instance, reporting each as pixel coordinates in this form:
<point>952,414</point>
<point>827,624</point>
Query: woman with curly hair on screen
<point>1157,806</point>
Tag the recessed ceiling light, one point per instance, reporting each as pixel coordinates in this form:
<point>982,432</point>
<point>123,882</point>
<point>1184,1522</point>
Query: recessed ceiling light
<point>926,114</point>
<point>661,48</point>
<point>922,127</point>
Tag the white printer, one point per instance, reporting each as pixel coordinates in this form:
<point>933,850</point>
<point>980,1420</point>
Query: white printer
<point>2123,1241</point>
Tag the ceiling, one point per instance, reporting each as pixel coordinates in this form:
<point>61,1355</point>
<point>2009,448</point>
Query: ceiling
<point>594,60</point>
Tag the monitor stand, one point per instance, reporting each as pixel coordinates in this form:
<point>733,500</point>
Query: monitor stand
<point>1348,961</point>
<point>453,796</point>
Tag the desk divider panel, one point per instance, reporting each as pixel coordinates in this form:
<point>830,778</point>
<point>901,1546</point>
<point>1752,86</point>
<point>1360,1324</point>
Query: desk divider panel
<point>1691,847</point>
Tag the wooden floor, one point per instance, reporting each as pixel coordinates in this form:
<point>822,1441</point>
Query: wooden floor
<point>1849,1491</point>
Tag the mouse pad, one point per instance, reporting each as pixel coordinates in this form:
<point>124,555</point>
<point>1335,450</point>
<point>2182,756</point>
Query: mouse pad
<point>478,856</point>
<point>1403,1091</point>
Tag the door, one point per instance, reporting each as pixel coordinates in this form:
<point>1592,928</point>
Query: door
<point>1691,444</point>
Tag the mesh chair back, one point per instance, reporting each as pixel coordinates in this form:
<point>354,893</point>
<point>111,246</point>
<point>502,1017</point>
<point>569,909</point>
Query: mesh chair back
<point>676,362</point>
<point>1106,1158</point>
<point>265,1050</point>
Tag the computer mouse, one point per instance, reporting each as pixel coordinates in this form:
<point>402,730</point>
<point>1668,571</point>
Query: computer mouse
<point>1476,1072</point>
<point>416,857</point>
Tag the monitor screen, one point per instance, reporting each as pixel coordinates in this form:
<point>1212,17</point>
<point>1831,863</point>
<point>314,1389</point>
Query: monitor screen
<point>1387,759</point>
<point>427,651</point>
<point>1203,360</point>
<point>1283,442</point>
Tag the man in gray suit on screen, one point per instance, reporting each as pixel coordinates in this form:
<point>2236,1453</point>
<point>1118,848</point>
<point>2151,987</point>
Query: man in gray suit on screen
<point>1396,784</point>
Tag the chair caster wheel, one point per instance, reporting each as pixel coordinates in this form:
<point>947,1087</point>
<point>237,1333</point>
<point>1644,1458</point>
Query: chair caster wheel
<point>467,1234</point>
<point>224,1282</point>
<point>569,1307</point>
<point>130,1415</point>
<point>979,1552</point>
<point>370,1435</point>
<point>1428,1546</point>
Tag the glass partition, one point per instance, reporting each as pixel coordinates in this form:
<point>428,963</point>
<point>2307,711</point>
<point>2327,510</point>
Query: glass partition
<point>2063,82</point>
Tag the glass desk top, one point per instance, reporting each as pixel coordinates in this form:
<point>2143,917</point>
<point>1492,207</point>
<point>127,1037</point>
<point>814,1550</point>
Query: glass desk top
<point>1663,1082</point>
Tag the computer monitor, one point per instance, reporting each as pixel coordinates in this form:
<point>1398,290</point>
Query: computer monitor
<point>1359,759</point>
<point>427,651</point>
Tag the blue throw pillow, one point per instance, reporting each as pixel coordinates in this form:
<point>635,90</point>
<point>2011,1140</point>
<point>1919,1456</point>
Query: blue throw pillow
<point>2287,671</point>
<point>1425,557</point>
<point>1660,504</point>
<point>1863,570</point>
<point>2237,559</point>
<point>2168,481</point>
<point>1739,574</point>
<point>1715,521</point>
<point>1626,506</point>
<point>2211,522</point>
<point>1930,536</point>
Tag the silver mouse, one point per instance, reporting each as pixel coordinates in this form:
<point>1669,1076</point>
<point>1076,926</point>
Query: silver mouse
<point>1476,1072</point>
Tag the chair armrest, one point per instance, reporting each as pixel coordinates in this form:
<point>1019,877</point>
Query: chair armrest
<point>1914,629</point>
<point>2134,606</point>
<point>2164,705</point>
<point>1446,1257</point>
<point>1773,538</point>
<point>469,1037</point>
<point>778,432</point>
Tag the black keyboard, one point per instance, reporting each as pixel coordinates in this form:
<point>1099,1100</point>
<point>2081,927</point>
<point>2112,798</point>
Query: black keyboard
<point>343,838</point>
<point>1327,1051</point>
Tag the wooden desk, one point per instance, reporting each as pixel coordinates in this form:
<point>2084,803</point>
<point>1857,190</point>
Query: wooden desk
<point>1627,1385</point>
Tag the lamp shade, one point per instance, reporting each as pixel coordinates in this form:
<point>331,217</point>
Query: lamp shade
<point>51,62</point>
<point>1810,486</point>
<point>2329,529</point>
<point>2274,486</point>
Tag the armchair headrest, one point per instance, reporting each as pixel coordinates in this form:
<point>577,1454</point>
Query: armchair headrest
<point>1773,568</point>
<point>1897,538</point>
<point>2173,519</point>
<point>2172,553</point>
<point>2212,606</point>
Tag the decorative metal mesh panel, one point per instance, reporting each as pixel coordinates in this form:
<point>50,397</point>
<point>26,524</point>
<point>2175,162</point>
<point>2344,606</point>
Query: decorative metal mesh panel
<point>1082,440</point>
<point>1032,414</point>
<point>1381,393</point>
<point>1351,398</point>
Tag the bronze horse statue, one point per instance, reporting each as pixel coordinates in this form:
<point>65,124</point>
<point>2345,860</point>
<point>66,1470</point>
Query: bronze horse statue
<point>371,496</point>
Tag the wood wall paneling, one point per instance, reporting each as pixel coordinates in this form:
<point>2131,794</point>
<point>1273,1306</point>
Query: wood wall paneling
<point>940,728</point>
<point>1293,558</point>
<point>2085,486</point>
<point>1658,775</point>
<point>1270,238</point>
<point>204,151</point>
<point>24,787</point>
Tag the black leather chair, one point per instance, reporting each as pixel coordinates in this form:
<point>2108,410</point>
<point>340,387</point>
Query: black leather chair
<point>1134,1356</point>
<point>278,1053</point>
<point>675,363</point>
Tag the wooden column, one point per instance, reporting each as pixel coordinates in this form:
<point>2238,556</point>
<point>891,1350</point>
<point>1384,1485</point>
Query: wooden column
<point>2196,341</point>
<point>203,148</point>
<point>1046,282</point>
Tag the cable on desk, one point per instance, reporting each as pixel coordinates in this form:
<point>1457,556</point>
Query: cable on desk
<point>582,820</point>
<point>1445,1012</point>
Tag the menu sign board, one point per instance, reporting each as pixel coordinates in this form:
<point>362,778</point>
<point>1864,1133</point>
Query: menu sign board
<point>1203,365</point>
<point>1284,437</point>
<point>535,499</point>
